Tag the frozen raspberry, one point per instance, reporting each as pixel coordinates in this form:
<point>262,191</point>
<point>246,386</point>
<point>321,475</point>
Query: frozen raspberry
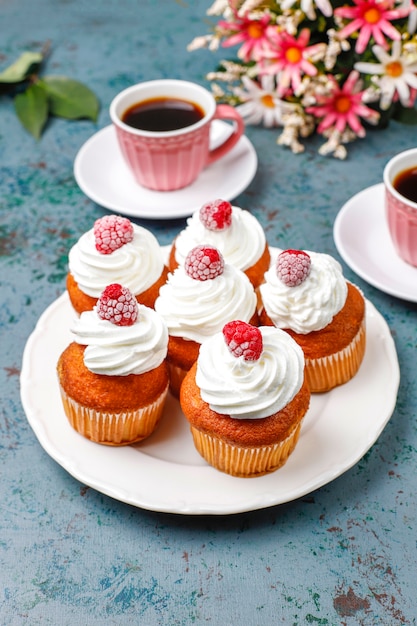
<point>293,267</point>
<point>117,305</point>
<point>204,263</point>
<point>112,232</point>
<point>216,215</point>
<point>243,340</point>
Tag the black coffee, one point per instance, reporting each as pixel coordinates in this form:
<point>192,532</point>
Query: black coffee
<point>162,114</point>
<point>406,183</point>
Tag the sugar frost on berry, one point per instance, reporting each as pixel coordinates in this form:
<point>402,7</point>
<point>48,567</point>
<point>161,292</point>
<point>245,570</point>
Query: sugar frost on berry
<point>293,267</point>
<point>216,215</point>
<point>243,340</point>
<point>204,263</point>
<point>117,305</point>
<point>111,232</point>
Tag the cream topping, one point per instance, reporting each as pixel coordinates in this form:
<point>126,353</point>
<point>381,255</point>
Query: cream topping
<point>136,265</point>
<point>241,245</point>
<point>196,309</point>
<point>311,305</point>
<point>250,389</point>
<point>121,350</point>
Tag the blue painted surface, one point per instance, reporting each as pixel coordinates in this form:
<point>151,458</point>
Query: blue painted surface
<point>345,554</point>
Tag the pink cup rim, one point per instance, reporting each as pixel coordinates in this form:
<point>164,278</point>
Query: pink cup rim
<point>397,164</point>
<point>172,85</point>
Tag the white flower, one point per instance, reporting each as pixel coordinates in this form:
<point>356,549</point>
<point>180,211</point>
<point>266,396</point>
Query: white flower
<point>261,102</point>
<point>248,6</point>
<point>397,73</point>
<point>307,7</point>
<point>218,7</point>
<point>205,41</point>
<point>412,16</point>
<point>334,47</point>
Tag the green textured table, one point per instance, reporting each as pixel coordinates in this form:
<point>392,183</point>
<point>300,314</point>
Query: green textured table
<point>344,553</point>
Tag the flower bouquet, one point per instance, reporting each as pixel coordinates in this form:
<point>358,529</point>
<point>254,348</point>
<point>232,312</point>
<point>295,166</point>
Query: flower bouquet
<point>315,66</point>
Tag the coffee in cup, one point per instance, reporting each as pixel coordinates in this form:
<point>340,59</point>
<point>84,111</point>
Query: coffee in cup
<point>163,114</point>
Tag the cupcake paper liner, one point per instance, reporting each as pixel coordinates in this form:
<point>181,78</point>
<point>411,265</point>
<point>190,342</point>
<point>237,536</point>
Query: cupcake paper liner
<point>176,375</point>
<point>244,462</point>
<point>325,373</point>
<point>114,429</point>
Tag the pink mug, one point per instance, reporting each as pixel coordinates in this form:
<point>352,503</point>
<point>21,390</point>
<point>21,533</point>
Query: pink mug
<point>401,212</point>
<point>165,160</point>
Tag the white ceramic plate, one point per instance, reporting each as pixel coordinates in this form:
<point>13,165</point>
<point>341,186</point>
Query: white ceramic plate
<point>362,238</point>
<point>165,473</point>
<point>102,175</point>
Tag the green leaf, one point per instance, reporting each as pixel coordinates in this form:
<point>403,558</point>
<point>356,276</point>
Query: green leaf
<point>32,109</point>
<point>405,115</point>
<point>70,99</point>
<point>20,69</point>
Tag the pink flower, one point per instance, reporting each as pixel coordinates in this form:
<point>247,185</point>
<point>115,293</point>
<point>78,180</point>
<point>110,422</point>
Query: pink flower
<point>251,32</point>
<point>288,57</point>
<point>371,18</point>
<point>343,107</point>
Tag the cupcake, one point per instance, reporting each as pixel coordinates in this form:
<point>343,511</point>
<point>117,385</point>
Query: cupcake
<point>245,399</point>
<point>306,294</point>
<point>236,233</point>
<point>113,377</point>
<point>115,251</point>
<point>198,298</point>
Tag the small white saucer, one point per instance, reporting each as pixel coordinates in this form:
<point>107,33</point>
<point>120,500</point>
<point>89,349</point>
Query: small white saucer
<point>362,238</point>
<point>102,175</point>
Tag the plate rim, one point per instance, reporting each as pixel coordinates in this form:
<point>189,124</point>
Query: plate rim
<point>341,248</point>
<point>267,497</point>
<point>152,213</point>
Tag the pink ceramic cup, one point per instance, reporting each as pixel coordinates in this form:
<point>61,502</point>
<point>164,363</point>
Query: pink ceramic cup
<point>169,160</point>
<point>401,212</point>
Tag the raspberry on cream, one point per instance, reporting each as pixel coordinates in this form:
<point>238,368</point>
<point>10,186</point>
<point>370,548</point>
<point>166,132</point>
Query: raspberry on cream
<point>250,389</point>
<point>241,240</point>
<point>195,308</point>
<point>112,232</point>
<point>117,305</point>
<point>136,262</point>
<point>204,263</point>
<point>119,350</point>
<point>310,305</point>
<point>216,215</point>
<point>243,339</point>
<point>293,267</point>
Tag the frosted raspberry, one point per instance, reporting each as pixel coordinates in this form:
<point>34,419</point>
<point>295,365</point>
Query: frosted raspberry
<point>112,232</point>
<point>117,305</point>
<point>204,263</point>
<point>293,267</point>
<point>216,215</point>
<point>243,340</point>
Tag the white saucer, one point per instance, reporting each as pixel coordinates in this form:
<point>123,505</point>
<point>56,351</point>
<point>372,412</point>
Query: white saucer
<point>102,175</point>
<point>362,238</point>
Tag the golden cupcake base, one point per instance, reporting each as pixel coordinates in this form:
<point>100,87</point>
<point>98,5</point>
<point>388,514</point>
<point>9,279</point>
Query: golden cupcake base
<point>244,462</point>
<point>176,376</point>
<point>325,373</point>
<point>114,429</point>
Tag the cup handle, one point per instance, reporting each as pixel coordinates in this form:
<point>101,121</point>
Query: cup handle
<point>227,112</point>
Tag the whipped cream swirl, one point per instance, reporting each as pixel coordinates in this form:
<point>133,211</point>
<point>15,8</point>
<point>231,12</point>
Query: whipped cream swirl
<point>121,350</point>
<point>311,305</point>
<point>136,265</point>
<point>250,389</point>
<point>241,244</point>
<point>196,309</point>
